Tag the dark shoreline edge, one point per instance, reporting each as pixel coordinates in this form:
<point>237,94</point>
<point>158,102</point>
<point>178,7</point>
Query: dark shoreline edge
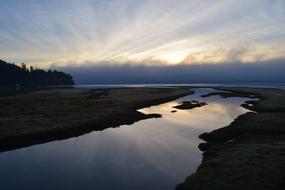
<point>248,154</point>
<point>130,116</point>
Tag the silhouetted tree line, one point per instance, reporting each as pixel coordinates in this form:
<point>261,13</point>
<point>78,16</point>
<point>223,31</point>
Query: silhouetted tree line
<point>13,75</point>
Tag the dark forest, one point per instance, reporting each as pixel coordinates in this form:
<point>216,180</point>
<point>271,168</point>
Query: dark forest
<point>12,75</point>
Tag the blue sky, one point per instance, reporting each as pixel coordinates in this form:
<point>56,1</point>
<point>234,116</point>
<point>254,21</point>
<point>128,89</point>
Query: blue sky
<point>90,32</point>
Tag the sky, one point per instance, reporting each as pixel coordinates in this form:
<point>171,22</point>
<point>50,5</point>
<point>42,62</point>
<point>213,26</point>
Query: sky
<point>114,34</point>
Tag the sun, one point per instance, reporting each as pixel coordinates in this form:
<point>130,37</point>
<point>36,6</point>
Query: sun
<point>173,58</point>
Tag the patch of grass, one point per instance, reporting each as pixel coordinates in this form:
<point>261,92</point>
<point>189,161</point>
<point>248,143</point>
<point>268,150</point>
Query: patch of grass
<point>190,105</point>
<point>41,116</point>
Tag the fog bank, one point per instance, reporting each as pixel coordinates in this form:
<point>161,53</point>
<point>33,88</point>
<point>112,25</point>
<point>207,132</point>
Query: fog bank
<point>107,73</point>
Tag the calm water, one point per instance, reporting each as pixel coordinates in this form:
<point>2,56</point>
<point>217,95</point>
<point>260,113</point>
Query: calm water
<point>150,154</point>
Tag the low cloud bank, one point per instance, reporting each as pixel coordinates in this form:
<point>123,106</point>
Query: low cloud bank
<point>105,73</point>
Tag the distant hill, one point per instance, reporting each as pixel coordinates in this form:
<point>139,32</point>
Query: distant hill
<point>13,75</point>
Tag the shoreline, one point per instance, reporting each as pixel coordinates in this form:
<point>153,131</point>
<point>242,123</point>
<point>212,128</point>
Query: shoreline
<point>114,107</point>
<point>249,153</point>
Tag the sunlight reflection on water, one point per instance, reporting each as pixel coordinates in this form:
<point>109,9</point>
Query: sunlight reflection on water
<point>149,154</point>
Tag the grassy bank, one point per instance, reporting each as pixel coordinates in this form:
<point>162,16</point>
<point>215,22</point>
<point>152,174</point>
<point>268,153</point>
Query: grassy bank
<point>249,154</point>
<point>189,105</point>
<point>42,116</point>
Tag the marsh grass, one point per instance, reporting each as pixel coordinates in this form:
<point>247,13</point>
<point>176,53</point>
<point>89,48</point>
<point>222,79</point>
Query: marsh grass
<point>249,154</point>
<point>41,116</point>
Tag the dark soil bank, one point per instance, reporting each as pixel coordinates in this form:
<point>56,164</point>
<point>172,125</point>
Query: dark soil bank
<point>249,154</point>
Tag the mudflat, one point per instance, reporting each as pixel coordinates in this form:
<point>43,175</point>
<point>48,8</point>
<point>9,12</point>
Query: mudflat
<point>249,154</point>
<point>42,116</point>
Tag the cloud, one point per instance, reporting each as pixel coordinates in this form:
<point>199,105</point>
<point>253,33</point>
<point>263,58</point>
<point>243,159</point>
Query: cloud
<point>235,72</point>
<point>222,55</point>
<point>56,31</point>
